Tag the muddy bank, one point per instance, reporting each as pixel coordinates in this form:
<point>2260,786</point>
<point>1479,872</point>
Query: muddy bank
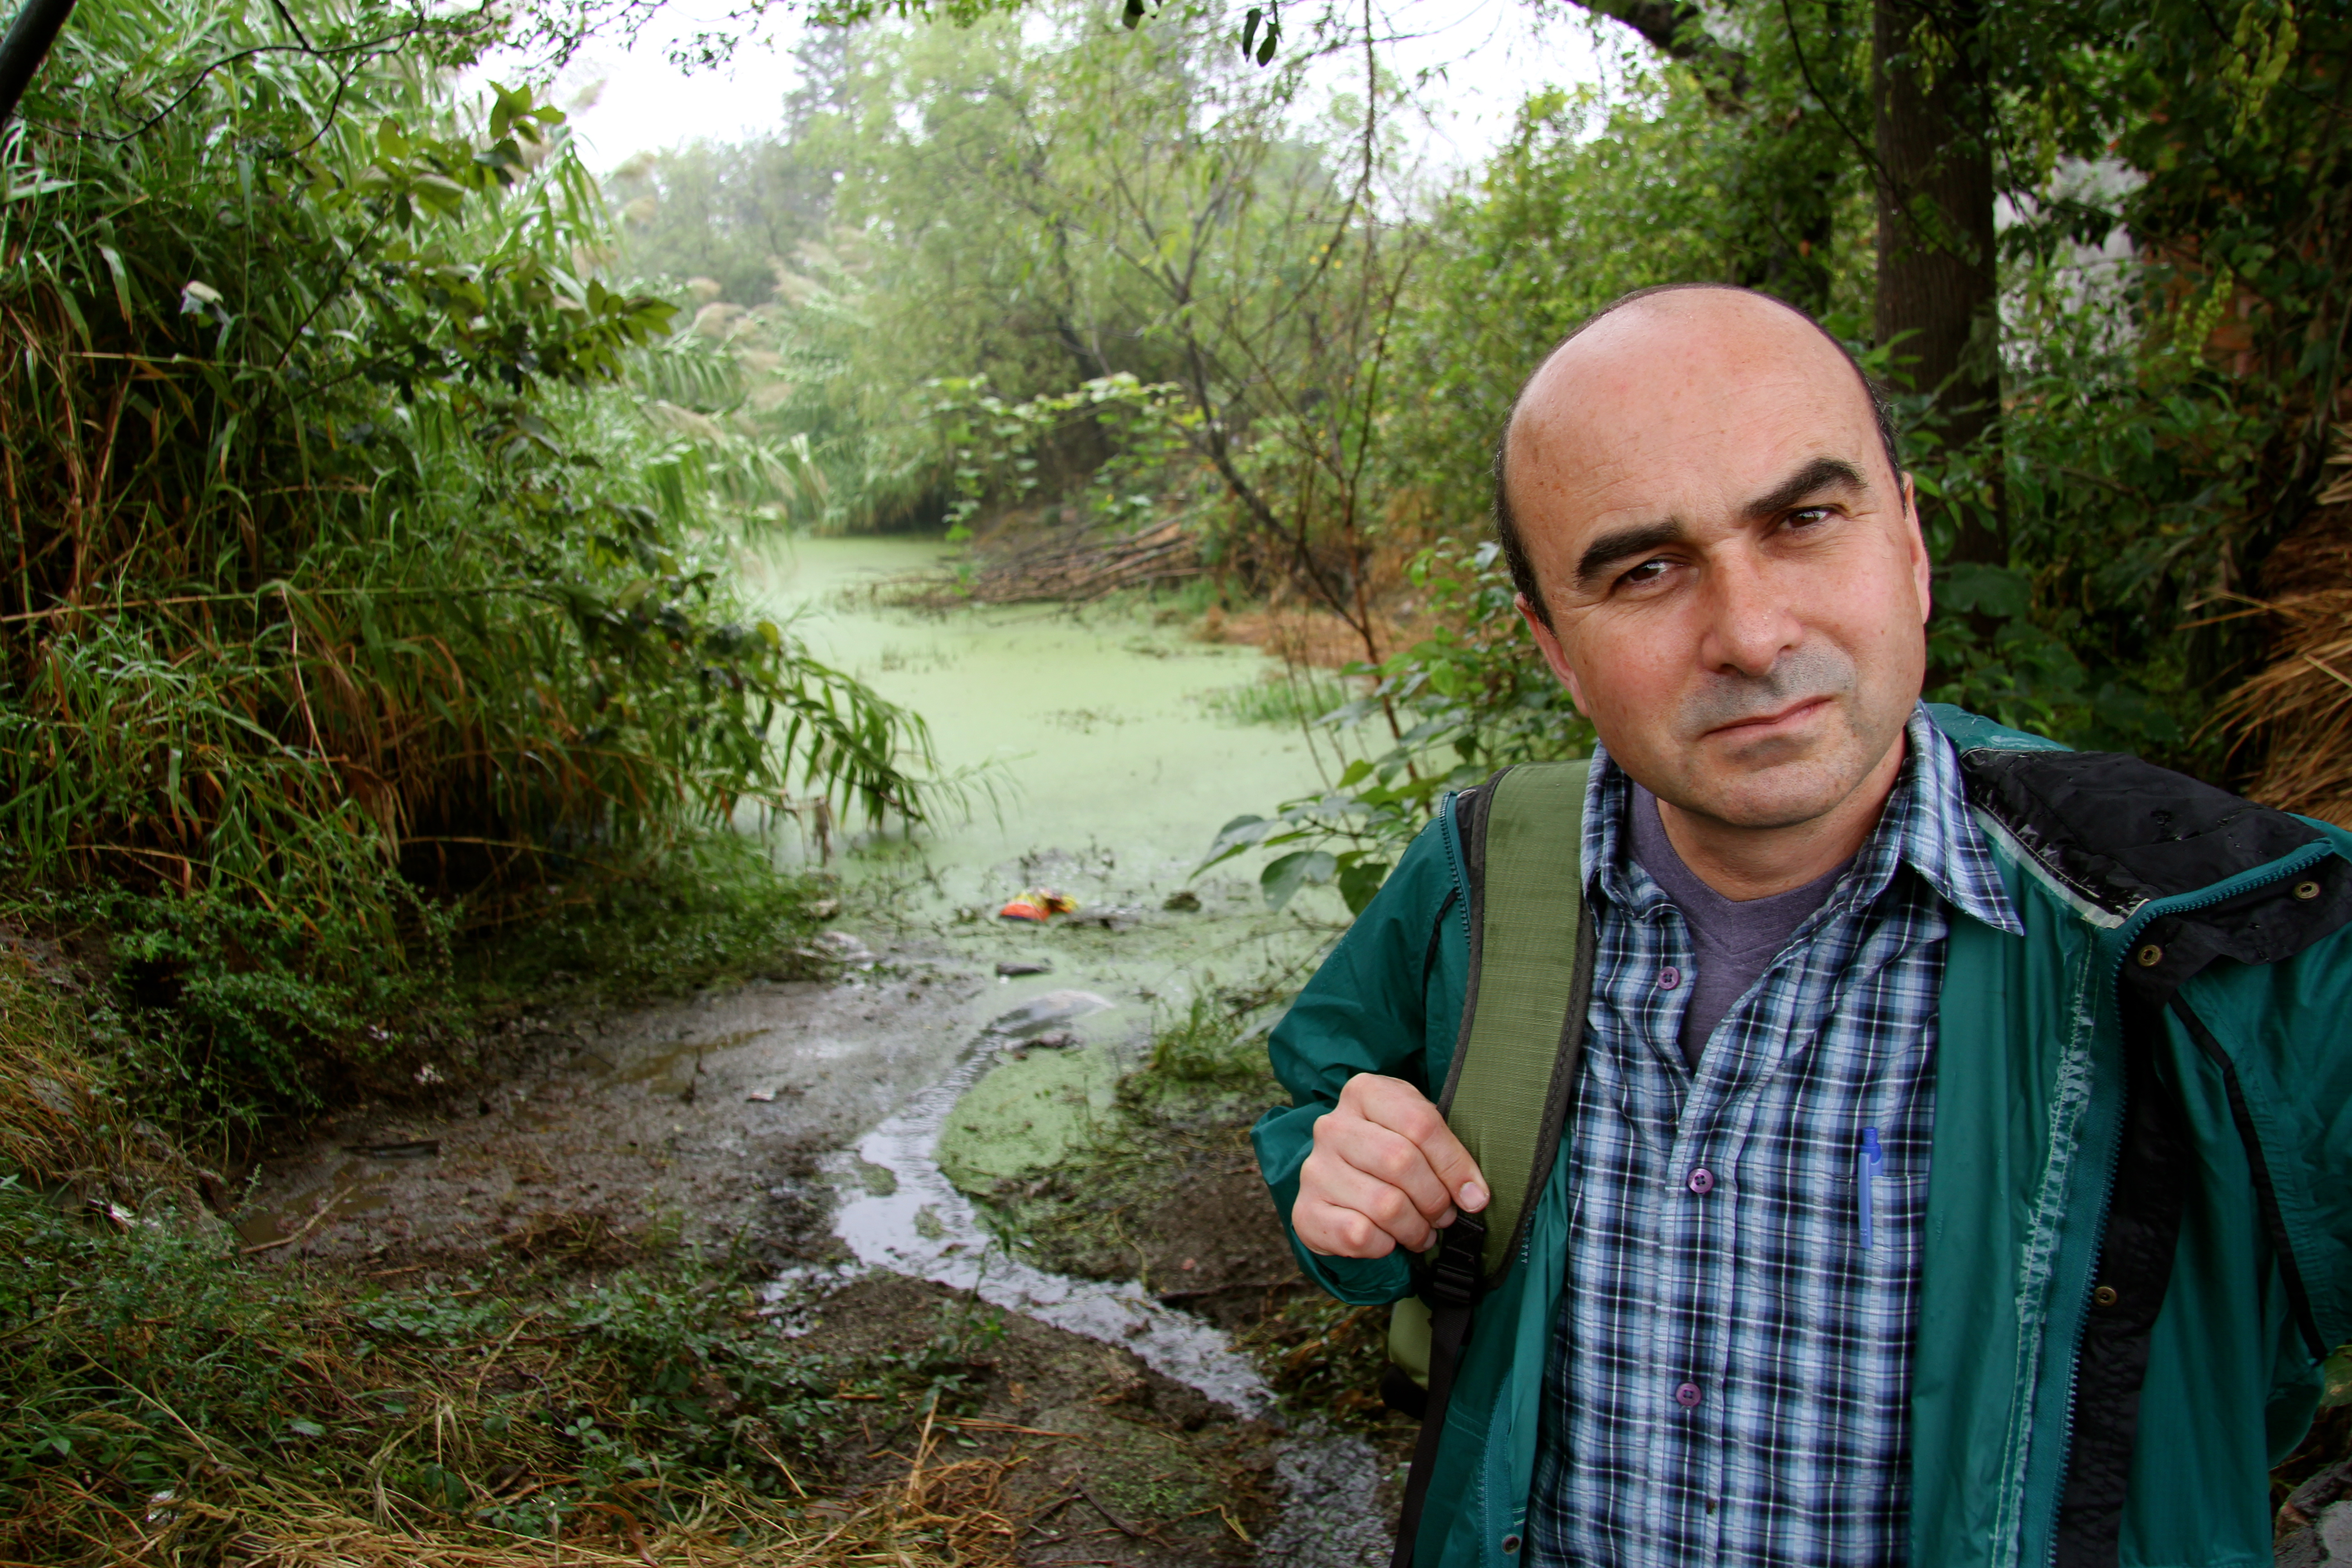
<point>699,1121</point>
<point>1085,1453</point>
<point>1157,1186</point>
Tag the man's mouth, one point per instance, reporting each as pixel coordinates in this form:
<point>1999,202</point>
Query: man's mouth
<point>1795,713</point>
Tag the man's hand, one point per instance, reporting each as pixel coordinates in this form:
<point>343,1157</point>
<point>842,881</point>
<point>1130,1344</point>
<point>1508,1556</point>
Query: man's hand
<point>1386,1173</point>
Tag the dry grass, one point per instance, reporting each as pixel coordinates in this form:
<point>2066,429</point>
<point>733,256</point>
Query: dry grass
<point>2302,704</point>
<point>48,1107</point>
<point>403,1468</point>
<point>938,1515</point>
<point>2299,708</point>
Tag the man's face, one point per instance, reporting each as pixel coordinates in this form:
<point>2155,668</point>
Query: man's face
<point>1738,585</point>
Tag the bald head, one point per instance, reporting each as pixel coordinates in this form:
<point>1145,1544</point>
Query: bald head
<point>1631,336</point>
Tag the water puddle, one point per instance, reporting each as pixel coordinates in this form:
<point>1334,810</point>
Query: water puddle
<point>898,1211</point>
<point>349,1195</point>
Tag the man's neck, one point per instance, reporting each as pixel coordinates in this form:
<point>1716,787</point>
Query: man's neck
<point>1744,863</point>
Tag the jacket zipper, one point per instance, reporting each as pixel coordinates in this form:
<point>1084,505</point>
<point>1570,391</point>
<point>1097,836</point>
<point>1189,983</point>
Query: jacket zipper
<point>2129,932</point>
<point>1449,831</point>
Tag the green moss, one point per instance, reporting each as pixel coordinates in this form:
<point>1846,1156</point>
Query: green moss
<point>1026,1115</point>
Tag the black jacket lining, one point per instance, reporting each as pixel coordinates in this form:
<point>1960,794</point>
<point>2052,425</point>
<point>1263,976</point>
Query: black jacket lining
<point>2121,831</point>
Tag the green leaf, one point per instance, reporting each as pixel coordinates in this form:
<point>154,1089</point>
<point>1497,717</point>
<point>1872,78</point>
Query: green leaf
<point>1281,878</point>
<point>1359,882</point>
<point>1239,834</point>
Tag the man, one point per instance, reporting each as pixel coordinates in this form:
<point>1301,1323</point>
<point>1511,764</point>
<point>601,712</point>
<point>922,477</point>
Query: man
<point>2085,1016</point>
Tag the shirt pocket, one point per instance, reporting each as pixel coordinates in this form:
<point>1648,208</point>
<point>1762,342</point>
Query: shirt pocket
<point>1883,1278</point>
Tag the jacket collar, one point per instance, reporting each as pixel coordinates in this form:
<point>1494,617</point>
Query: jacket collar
<point>1927,826</point>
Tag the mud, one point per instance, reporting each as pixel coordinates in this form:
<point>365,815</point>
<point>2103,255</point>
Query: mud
<point>1099,1458</point>
<point>700,1122</point>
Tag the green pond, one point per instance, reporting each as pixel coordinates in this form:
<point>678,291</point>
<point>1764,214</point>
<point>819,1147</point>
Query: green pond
<point>1101,768</point>
<point>1091,722</point>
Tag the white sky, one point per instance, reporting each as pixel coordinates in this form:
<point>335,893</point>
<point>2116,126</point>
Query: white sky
<point>1482,57</point>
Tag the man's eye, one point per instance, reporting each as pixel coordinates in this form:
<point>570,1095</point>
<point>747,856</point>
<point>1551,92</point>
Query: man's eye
<point>1807,516</point>
<point>1647,571</point>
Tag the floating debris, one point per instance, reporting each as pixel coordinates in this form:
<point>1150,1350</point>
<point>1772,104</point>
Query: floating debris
<point>1007,968</point>
<point>1183,901</point>
<point>1038,906</point>
<point>1059,1040</point>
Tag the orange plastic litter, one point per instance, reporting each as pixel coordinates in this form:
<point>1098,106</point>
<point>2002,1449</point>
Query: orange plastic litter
<point>1038,904</point>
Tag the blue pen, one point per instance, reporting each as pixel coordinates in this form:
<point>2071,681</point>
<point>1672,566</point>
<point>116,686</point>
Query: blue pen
<point>1866,1166</point>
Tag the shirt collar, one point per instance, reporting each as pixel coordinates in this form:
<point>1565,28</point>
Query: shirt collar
<point>1926,825</point>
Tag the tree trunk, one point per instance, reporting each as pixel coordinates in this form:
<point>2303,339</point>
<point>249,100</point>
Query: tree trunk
<point>1937,286</point>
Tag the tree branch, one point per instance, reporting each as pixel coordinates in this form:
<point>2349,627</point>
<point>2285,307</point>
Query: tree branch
<point>1677,29</point>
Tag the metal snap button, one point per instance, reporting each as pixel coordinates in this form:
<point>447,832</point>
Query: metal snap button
<point>2105,1296</point>
<point>2149,956</point>
<point>1510,1545</point>
<point>2307,889</point>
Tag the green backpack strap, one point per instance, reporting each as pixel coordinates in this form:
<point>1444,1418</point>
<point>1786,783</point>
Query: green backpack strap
<point>1508,1093</point>
<point>1530,984</point>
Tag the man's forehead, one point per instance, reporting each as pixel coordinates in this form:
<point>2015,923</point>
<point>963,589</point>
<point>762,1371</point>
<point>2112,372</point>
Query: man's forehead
<point>1710,388</point>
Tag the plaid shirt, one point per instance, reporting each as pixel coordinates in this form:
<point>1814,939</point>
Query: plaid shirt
<point>1729,1379</point>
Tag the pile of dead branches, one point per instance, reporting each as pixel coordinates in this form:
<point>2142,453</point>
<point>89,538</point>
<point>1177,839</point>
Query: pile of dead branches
<point>1067,566</point>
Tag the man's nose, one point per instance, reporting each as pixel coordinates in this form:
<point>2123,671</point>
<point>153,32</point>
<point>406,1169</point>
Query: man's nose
<point>1749,623</point>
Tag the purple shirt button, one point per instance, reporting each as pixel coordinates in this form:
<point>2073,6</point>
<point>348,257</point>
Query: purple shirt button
<point>1702,1181</point>
<point>1686,1396</point>
<point>1669,977</point>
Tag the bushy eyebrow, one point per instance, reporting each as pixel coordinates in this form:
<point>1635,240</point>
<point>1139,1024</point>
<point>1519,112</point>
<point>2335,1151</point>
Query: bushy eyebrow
<point>1819,475</point>
<point>1611,548</point>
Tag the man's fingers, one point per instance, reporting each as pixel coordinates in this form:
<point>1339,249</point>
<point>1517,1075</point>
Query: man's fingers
<point>1386,1173</point>
<point>1394,1160</point>
<point>1337,1231</point>
<point>1400,1108</point>
<point>1356,1215</point>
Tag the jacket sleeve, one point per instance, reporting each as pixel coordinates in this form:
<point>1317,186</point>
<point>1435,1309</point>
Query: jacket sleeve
<point>1363,1012</point>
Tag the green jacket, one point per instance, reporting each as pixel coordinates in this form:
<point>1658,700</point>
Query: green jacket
<point>2139,1222</point>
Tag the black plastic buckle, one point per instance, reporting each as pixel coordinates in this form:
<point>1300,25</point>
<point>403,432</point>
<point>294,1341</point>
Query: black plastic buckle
<point>1460,1263</point>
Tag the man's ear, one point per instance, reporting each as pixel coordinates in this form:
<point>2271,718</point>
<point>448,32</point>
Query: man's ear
<point>1549,643</point>
<point>1922,569</point>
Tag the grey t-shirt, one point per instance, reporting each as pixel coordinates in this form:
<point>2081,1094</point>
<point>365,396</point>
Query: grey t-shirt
<point>1733,940</point>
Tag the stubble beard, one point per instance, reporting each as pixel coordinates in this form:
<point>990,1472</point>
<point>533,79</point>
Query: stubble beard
<point>1780,781</point>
